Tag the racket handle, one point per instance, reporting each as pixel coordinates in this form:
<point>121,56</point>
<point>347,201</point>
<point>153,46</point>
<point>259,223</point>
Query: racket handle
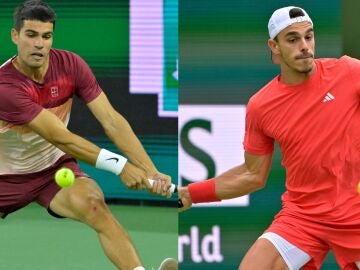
<point>180,203</point>
<point>173,188</point>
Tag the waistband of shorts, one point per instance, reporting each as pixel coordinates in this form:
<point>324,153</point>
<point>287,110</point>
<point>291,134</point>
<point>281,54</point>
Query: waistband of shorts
<point>29,176</point>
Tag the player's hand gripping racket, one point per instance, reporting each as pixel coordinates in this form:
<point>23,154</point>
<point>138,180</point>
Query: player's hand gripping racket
<point>173,189</point>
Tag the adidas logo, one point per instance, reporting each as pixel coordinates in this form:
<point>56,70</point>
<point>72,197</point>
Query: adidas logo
<point>328,97</point>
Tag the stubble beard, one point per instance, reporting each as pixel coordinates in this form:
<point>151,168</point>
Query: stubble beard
<point>307,69</point>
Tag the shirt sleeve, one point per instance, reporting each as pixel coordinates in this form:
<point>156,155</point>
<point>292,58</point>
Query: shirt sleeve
<point>256,141</point>
<point>16,106</point>
<point>87,87</point>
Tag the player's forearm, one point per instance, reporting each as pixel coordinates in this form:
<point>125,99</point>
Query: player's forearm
<point>234,183</point>
<point>237,182</point>
<point>77,147</point>
<point>122,135</point>
<point>52,129</point>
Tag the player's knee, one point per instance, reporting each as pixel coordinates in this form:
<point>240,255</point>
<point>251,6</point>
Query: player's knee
<point>91,208</point>
<point>96,209</point>
<point>88,205</point>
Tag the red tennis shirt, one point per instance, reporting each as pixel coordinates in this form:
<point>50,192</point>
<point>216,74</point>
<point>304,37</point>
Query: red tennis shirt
<point>316,124</point>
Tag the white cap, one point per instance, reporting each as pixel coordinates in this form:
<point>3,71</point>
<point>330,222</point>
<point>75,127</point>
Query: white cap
<point>283,17</point>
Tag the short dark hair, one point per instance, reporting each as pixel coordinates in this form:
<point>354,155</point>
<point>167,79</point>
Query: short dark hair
<point>33,10</point>
<point>296,12</point>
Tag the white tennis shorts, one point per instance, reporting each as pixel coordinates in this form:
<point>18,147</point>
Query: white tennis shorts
<point>294,257</point>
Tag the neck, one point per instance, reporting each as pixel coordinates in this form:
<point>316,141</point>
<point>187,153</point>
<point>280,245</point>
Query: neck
<point>37,74</point>
<point>293,77</point>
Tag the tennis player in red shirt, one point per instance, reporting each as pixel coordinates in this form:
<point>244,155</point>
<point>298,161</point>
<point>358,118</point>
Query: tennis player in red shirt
<point>312,109</point>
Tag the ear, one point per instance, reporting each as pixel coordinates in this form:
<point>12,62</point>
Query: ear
<point>274,47</point>
<point>14,36</point>
<point>275,51</point>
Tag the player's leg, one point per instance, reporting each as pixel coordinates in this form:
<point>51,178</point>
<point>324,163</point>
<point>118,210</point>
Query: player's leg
<point>272,252</point>
<point>263,255</point>
<point>84,201</point>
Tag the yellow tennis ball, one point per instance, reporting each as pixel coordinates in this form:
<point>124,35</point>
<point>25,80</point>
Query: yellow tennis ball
<point>358,188</point>
<point>64,177</point>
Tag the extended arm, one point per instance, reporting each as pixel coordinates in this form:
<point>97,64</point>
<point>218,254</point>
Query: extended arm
<point>51,128</point>
<point>119,131</point>
<point>244,179</point>
<point>238,181</point>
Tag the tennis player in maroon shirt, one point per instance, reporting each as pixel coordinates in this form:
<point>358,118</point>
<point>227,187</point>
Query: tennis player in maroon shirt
<point>36,93</point>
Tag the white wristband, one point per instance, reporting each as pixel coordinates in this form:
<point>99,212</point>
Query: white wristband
<point>110,161</point>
